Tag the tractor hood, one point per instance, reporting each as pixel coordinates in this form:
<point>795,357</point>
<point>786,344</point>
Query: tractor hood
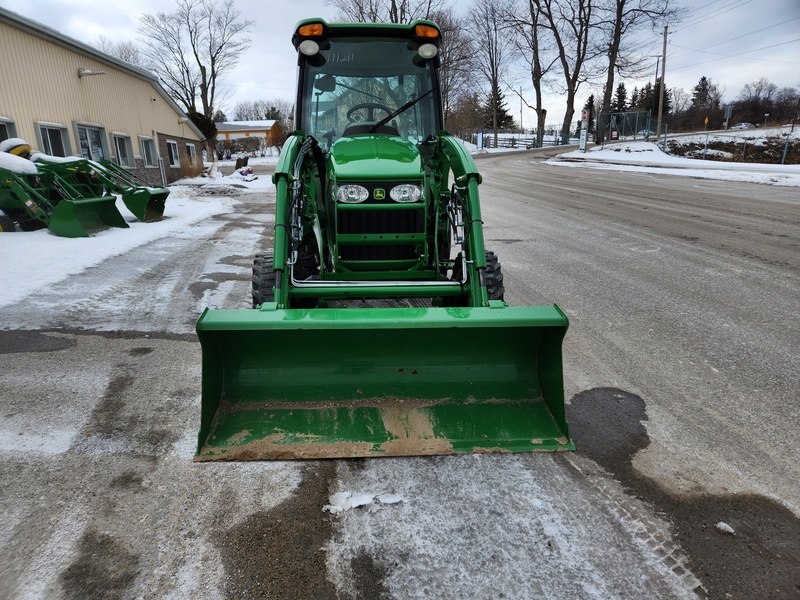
<point>375,157</point>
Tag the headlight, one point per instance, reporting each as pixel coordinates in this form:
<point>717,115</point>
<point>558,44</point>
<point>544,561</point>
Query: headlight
<point>427,51</point>
<point>351,194</point>
<point>406,192</point>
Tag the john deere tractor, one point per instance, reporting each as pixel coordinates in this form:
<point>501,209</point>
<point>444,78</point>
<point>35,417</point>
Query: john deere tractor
<point>378,325</point>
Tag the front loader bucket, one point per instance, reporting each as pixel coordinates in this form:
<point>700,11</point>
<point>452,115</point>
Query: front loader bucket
<point>147,204</point>
<point>80,218</point>
<point>332,383</point>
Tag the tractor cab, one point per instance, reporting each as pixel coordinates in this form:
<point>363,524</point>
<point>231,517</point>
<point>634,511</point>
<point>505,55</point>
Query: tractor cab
<point>351,84</point>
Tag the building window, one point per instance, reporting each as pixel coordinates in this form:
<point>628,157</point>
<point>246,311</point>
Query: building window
<point>148,152</point>
<point>53,140</point>
<point>7,129</point>
<point>91,142</point>
<point>191,152</point>
<point>124,152</point>
<point>172,152</point>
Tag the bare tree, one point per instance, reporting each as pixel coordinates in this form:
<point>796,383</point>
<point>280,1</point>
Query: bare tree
<point>276,109</point>
<point>386,11</point>
<point>570,23</point>
<point>756,99</point>
<point>619,20</point>
<point>456,58</point>
<point>680,100</point>
<point>125,50</point>
<point>492,49</point>
<point>532,43</point>
<point>192,48</point>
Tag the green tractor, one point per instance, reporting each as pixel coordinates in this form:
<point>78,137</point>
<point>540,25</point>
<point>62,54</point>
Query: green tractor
<point>106,178</point>
<point>33,198</point>
<point>378,325</point>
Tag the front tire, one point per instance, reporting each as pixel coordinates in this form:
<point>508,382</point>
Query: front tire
<point>7,224</point>
<point>263,278</point>
<point>494,277</point>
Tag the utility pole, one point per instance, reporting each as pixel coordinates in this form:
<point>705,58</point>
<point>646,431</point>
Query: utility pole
<point>661,87</point>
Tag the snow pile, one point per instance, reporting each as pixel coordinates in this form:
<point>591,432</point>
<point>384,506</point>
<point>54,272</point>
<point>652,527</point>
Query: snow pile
<point>648,157</point>
<point>243,177</point>
<point>17,164</point>
<point>66,160</point>
<point>346,500</point>
<point>68,256</point>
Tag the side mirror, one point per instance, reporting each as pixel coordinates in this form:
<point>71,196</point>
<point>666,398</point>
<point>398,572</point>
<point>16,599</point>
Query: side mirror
<point>326,83</point>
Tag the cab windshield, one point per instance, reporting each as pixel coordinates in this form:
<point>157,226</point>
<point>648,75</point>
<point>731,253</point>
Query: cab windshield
<point>351,87</point>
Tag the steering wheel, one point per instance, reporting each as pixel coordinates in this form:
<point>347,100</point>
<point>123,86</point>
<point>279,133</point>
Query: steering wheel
<point>371,108</point>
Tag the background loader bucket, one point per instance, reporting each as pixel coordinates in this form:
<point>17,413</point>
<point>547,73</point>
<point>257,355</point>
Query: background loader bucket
<point>80,218</point>
<point>329,383</point>
<point>147,204</point>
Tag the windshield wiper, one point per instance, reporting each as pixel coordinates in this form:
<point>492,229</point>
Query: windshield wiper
<point>403,108</point>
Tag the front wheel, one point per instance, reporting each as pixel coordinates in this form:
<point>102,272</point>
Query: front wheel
<point>494,277</point>
<point>263,278</point>
<point>6,224</point>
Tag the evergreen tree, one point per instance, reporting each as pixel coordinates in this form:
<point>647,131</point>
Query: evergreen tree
<point>620,101</point>
<point>647,99</point>
<point>504,118</point>
<point>634,99</point>
<point>272,114</point>
<point>701,94</point>
<point>591,109</point>
<point>656,100</point>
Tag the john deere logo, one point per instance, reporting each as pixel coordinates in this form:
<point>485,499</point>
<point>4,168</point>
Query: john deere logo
<point>379,193</point>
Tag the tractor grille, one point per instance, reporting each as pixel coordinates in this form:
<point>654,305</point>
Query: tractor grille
<point>381,221</point>
<point>373,252</point>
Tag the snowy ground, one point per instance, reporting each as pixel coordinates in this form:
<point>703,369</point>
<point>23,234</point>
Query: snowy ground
<point>648,157</point>
<point>64,257</point>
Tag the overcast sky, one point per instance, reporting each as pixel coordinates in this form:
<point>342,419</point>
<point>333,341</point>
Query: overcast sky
<point>733,42</point>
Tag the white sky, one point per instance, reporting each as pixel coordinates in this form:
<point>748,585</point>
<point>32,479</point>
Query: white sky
<point>733,42</point>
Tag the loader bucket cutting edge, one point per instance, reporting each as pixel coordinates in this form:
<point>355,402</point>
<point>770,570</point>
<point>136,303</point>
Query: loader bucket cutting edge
<point>335,383</point>
<point>80,218</point>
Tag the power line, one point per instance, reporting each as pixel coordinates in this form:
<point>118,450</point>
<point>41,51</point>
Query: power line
<point>711,15</point>
<point>740,55</point>
<point>691,51</point>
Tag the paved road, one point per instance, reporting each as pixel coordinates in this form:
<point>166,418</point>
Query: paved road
<point>684,297</point>
<point>678,364</point>
<point>683,291</point>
